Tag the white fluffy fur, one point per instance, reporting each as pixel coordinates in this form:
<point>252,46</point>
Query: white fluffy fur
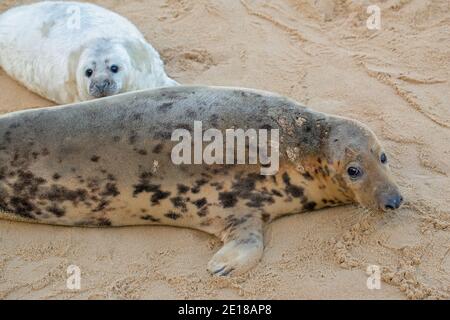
<point>41,47</point>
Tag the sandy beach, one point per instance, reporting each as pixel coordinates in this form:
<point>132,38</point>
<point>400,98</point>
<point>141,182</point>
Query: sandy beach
<point>320,53</point>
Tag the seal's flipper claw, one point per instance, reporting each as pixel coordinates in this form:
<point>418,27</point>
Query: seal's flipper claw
<point>227,272</point>
<point>218,271</point>
<point>223,271</point>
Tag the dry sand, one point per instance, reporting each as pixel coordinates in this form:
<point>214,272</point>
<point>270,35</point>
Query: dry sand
<point>321,54</point>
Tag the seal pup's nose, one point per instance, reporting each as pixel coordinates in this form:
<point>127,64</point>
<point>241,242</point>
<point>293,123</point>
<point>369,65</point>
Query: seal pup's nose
<point>102,86</point>
<point>393,202</point>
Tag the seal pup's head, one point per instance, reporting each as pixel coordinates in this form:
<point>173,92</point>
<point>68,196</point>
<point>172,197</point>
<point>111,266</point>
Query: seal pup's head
<point>102,70</point>
<point>362,165</point>
<point>105,67</point>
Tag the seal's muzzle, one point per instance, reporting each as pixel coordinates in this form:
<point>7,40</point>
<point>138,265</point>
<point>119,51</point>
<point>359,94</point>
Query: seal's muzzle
<point>389,198</point>
<point>102,87</point>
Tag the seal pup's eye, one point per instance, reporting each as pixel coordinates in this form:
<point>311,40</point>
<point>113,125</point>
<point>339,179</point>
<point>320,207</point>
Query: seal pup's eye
<point>114,68</point>
<point>354,172</point>
<point>383,158</point>
<point>89,73</point>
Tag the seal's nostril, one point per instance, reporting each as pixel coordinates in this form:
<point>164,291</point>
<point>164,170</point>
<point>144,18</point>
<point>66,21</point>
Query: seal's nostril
<point>393,202</point>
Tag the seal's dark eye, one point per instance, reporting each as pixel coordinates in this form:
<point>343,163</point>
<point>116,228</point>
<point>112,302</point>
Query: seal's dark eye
<point>114,68</point>
<point>383,158</point>
<point>354,172</point>
<point>89,73</point>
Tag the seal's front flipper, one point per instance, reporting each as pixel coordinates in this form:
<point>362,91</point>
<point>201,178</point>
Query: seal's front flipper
<point>243,247</point>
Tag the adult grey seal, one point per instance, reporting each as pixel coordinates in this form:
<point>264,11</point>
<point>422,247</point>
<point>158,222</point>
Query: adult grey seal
<point>110,162</point>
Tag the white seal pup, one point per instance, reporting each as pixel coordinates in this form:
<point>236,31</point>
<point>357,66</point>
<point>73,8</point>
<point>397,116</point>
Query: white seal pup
<point>115,162</point>
<point>69,52</point>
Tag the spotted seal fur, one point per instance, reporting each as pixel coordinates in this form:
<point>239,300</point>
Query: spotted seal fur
<point>107,162</point>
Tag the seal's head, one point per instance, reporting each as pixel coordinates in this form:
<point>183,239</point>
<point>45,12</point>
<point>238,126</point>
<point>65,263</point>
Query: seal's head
<point>362,166</point>
<point>107,67</point>
<point>102,69</point>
